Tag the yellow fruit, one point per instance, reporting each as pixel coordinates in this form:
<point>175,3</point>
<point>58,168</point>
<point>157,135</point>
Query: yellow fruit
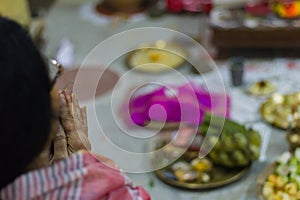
<point>268,189</point>
<point>201,165</point>
<point>291,188</point>
<point>272,178</point>
<point>280,183</point>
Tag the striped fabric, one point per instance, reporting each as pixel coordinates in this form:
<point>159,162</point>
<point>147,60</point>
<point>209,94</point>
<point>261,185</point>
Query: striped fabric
<point>80,177</point>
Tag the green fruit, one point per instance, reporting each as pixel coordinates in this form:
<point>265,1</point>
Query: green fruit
<point>254,137</point>
<point>228,142</point>
<point>236,146</point>
<point>214,155</point>
<point>240,158</point>
<point>214,140</point>
<point>254,152</point>
<point>293,161</point>
<point>241,140</point>
<point>225,159</point>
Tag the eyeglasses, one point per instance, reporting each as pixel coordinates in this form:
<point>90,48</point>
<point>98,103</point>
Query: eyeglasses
<point>55,70</point>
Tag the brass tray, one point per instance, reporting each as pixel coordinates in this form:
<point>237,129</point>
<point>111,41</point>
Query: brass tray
<point>278,110</point>
<point>262,178</point>
<point>158,57</point>
<point>221,176</point>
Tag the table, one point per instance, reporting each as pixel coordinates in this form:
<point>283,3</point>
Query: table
<point>267,36</point>
<point>256,42</point>
<point>64,21</point>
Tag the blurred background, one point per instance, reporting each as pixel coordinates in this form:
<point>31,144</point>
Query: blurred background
<point>249,50</point>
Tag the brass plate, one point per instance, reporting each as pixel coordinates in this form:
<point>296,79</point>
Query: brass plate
<point>156,58</point>
<point>262,178</point>
<point>221,176</point>
<point>277,109</point>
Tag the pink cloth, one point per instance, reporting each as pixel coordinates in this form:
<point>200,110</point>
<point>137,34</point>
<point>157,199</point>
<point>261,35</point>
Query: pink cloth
<point>185,103</point>
<point>80,177</point>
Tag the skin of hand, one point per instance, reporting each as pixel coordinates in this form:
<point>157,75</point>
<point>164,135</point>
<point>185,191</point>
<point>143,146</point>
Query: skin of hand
<point>73,119</point>
<point>74,123</point>
<point>69,132</point>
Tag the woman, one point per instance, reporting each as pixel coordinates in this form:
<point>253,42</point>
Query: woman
<point>43,133</point>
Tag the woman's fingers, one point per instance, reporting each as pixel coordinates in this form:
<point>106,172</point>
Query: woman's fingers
<point>84,114</point>
<point>63,105</point>
<point>84,118</point>
<point>67,96</point>
<point>72,105</point>
<point>66,117</point>
<point>80,124</point>
<point>76,112</point>
<point>60,145</point>
<point>74,123</point>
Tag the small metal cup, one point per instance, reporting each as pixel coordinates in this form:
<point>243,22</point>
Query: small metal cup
<point>236,67</point>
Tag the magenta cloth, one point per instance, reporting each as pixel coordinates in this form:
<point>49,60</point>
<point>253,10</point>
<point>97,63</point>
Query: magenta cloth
<point>186,103</point>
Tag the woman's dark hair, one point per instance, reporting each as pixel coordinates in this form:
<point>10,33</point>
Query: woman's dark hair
<point>25,103</point>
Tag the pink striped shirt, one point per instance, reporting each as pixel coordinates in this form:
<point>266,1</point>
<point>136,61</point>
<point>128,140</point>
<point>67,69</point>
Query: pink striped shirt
<point>80,177</point>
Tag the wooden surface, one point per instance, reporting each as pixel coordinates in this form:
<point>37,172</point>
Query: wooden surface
<point>256,42</point>
<point>265,40</point>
